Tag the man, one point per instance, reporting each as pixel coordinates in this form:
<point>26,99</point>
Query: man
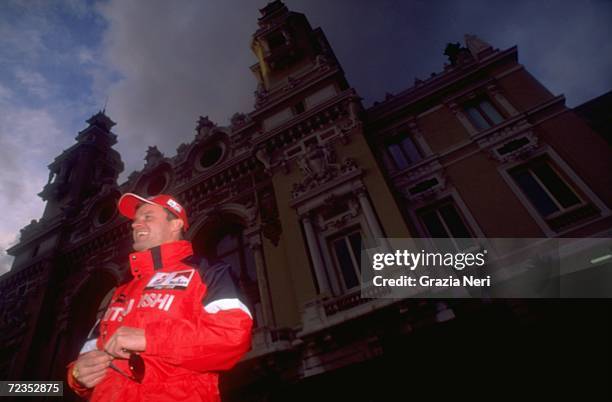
<point>168,331</point>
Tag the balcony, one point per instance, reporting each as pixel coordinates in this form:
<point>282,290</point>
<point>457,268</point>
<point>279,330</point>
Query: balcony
<point>325,312</point>
<point>267,341</point>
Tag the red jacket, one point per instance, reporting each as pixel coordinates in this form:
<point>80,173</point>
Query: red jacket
<point>195,325</point>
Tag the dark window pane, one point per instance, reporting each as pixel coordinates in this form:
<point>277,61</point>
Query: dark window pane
<point>477,118</point>
<point>106,212</point>
<point>156,185</point>
<point>410,150</point>
<point>346,263</point>
<point>456,225</point>
<point>491,112</point>
<point>355,240</point>
<point>453,221</point>
<point>433,224</point>
<point>299,108</point>
<point>398,156</point>
<point>250,262</point>
<point>538,197</point>
<point>564,195</point>
<point>210,156</point>
<point>387,160</point>
<point>276,40</point>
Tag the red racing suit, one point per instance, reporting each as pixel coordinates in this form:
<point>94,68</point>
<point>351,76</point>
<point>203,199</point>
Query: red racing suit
<point>195,325</point>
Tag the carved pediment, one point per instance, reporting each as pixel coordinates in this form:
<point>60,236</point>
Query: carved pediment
<point>318,166</point>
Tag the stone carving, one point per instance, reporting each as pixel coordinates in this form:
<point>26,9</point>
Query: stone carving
<point>238,120</point>
<point>133,176</point>
<point>263,156</point>
<point>505,136</point>
<point>521,153</point>
<point>429,194</point>
<point>268,211</point>
<point>477,46</point>
<point>182,148</point>
<point>457,54</point>
<point>322,62</point>
<point>317,162</point>
<point>261,96</point>
<point>154,156</point>
<point>204,128</point>
<point>292,82</point>
<point>318,166</point>
<point>29,229</point>
<point>353,109</point>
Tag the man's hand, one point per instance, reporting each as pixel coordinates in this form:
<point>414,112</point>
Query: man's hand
<point>90,368</point>
<point>126,340</point>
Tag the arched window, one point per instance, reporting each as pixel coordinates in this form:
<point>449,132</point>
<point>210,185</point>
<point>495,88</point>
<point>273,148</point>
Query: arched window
<point>224,240</point>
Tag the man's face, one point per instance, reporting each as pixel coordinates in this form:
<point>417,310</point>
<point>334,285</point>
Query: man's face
<point>151,227</point>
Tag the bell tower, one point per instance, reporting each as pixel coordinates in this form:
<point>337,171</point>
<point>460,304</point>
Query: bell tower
<point>286,44</point>
<point>81,170</point>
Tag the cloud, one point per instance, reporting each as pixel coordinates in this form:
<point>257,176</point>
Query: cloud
<point>33,82</point>
<point>85,56</point>
<point>175,64</point>
<point>5,93</point>
<point>28,136</point>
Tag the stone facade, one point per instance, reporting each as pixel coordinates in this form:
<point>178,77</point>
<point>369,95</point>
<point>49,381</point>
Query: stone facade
<point>288,192</point>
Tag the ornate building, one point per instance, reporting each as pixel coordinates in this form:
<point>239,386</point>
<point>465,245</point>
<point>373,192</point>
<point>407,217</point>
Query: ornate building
<point>291,192</point>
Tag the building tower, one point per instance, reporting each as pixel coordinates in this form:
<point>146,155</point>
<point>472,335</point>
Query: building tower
<point>36,320</point>
<point>83,169</point>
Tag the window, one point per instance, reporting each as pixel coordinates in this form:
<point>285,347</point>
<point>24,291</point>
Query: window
<point>483,114</point>
<point>404,152</point>
<point>346,250</point>
<point>35,250</point>
<point>444,221</point>
<point>157,184</point>
<point>299,108</point>
<point>105,212</point>
<point>276,40</point>
<point>226,242</point>
<point>211,155</point>
<point>544,188</point>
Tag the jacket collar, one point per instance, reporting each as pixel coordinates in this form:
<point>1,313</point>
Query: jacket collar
<point>156,258</point>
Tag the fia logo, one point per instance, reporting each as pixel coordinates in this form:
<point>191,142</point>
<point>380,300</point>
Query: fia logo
<point>171,280</point>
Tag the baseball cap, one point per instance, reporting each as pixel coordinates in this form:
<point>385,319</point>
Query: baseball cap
<point>129,203</point>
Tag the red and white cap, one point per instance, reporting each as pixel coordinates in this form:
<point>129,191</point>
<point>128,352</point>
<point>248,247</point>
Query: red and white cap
<point>129,203</point>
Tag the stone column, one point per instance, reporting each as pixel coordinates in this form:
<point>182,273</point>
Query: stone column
<point>370,216</point>
<point>418,137</point>
<point>501,100</point>
<point>368,211</point>
<point>262,281</point>
<point>315,255</point>
<point>458,112</point>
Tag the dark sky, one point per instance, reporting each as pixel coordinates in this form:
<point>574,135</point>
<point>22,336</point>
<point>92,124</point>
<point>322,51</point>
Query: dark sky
<point>158,65</point>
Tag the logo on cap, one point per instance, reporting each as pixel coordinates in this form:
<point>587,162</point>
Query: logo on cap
<point>174,205</point>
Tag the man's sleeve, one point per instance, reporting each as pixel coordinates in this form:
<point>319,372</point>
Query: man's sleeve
<point>78,389</point>
<point>216,338</point>
<point>88,346</point>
